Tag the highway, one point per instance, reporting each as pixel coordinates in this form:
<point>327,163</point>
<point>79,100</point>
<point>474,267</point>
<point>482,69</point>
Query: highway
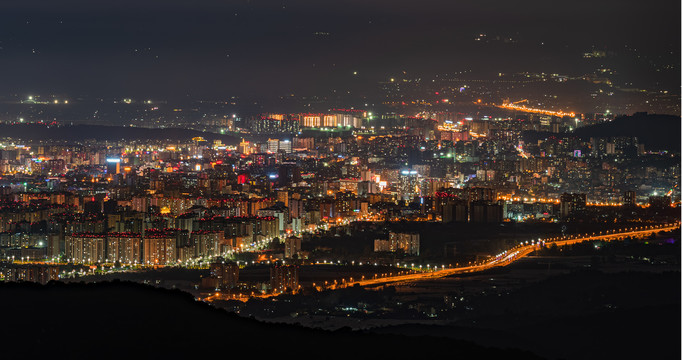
<point>518,252</point>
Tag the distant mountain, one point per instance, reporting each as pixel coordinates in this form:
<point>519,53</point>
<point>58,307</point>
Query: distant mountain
<point>35,132</point>
<point>657,132</point>
<point>115,319</point>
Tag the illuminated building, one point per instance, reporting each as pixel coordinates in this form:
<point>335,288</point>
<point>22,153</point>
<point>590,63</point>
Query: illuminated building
<point>54,245</point>
<point>30,272</point>
<point>283,277</point>
<point>329,121</point>
<point>242,178</point>
<point>328,209</point>
<point>312,121</point>
<point>407,242</point>
<point>409,184</point>
<point>139,203</point>
<point>113,165</point>
<point>85,248</point>
<point>274,116</point>
<point>279,124</point>
<point>222,275</point>
<point>283,196</point>
<point>159,249</point>
<point>367,187</point>
<point>296,208</point>
<point>348,120</point>
<point>56,166</point>
<point>455,136</point>
<point>482,194</point>
<point>245,147</point>
<point>207,243</point>
<point>382,245</point>
<point>304,143</point>
<point>267,226</point>
<point>292,246</point>
<point>273,145</point>
<point>285,145</point>
<point>125,248</point>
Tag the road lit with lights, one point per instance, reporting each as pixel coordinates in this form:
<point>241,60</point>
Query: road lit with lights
<point>513,106</point>
<point>518,252</point>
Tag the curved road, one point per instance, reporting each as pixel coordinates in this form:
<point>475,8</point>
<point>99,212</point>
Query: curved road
<point>507,257</point>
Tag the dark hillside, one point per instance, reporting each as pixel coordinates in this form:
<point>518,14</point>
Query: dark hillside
<point>125,319</point>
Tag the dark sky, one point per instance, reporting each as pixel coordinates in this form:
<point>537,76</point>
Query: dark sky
<point>217,49</point>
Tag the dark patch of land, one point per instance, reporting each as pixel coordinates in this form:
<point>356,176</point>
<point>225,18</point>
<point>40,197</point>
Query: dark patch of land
<point>115,319</point>
<point>581,315</point>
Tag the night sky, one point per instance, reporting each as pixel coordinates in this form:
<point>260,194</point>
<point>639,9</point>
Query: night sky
<point>217,49</point>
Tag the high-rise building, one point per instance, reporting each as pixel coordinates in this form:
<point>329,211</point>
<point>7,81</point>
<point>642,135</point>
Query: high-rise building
<point>329,121</point>
<point>207,243</point>
<point>245,147</point>
<point>482,194</point>
<point>573,205</point>
<point>54,246</point>
<point>125,248</point>
<point>304,143</point>
<point>630,198</point>
<point>312,120</point>
<point>113,165</point>
<point>85,248</point>
<point>222,275</point>
<point>292,247</point>
<point>409,184</point>
<point>283,196</point>
<point>407,242</point>
<point>273,145</point>
<point>454,211</point>
<point>482,211</point>
<point>159,248</point>
<point>283,277</point>
<point>285,145</point>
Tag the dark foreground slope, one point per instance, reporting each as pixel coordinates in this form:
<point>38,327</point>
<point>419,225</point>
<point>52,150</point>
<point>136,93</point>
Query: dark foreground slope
<point>582,315</point>
<point>114,319</point>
